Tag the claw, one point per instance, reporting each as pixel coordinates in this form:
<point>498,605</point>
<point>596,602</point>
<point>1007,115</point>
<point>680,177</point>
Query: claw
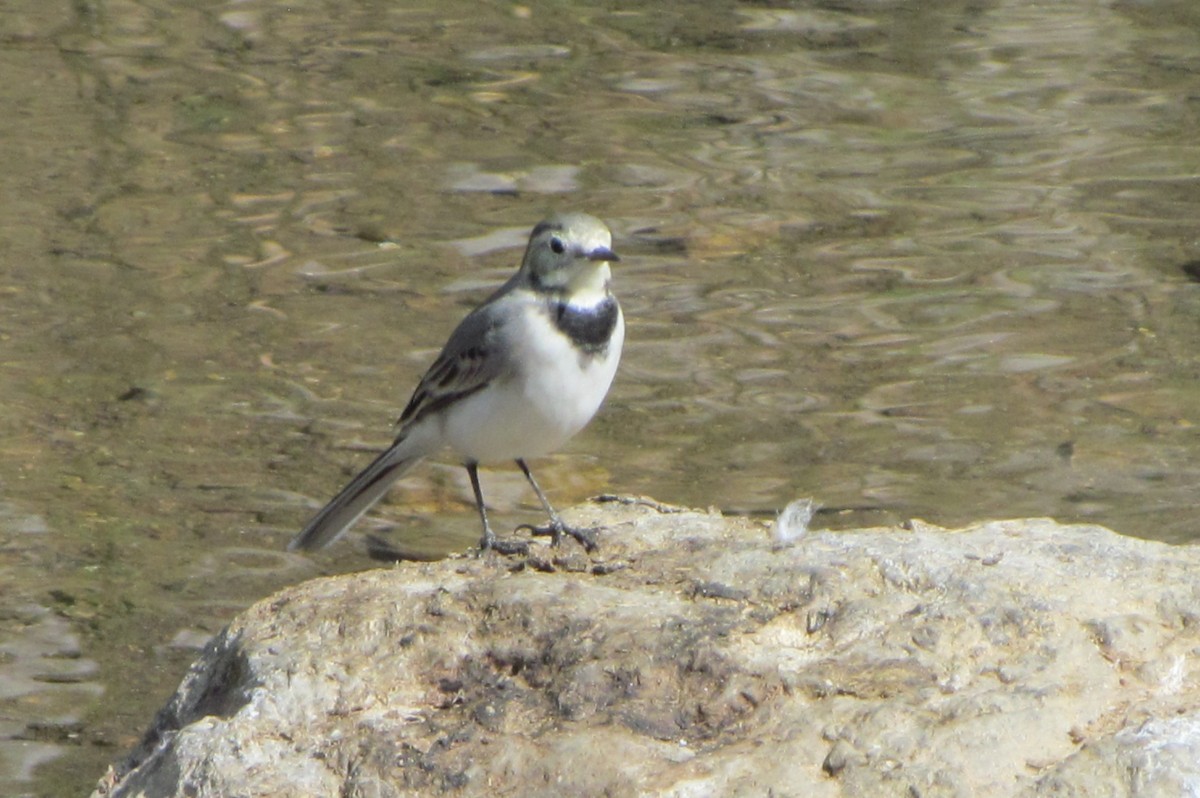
<point>507,548</point>
<point>585,537</point>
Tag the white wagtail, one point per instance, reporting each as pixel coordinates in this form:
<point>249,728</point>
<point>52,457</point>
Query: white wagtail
<point>520,375</point>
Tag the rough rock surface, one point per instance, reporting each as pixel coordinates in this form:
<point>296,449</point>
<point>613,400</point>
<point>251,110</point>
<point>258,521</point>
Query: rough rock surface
<point>692,657</point>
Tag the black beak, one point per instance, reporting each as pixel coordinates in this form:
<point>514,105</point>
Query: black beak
<point>603,253</point>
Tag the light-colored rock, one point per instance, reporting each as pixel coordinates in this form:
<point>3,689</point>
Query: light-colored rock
<point>695,657</point>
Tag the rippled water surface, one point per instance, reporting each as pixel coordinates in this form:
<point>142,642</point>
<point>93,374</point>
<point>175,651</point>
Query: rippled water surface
<point>909,259</point>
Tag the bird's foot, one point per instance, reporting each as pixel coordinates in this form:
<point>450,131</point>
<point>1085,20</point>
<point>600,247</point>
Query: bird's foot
<point>585,536</point>
<point>507,548</point>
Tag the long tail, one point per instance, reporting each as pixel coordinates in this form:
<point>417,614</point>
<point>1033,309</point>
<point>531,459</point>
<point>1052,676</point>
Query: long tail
<point>356,498</point>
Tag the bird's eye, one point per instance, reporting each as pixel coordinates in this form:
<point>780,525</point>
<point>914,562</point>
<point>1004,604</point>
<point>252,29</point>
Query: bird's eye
<point>556,246</point>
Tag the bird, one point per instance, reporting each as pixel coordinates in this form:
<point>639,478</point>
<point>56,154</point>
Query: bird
<point>520,375</point>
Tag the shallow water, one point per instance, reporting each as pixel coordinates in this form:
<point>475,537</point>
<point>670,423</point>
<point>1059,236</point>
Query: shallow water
<point>905,261</point>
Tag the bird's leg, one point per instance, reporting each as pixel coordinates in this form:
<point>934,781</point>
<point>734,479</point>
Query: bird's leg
<point>489,541</point>
<point>556,528</point>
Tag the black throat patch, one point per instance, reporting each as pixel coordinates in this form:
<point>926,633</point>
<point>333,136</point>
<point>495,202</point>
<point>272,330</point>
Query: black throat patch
<point>589,328</point>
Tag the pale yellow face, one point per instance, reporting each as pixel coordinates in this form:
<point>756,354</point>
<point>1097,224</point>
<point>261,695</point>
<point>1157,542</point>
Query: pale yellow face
<point>570,253</point>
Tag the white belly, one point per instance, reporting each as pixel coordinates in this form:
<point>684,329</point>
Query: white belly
<point>539,407</point>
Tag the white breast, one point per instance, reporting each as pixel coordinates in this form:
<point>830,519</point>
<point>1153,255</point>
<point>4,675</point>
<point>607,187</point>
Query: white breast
<point>551,394</point>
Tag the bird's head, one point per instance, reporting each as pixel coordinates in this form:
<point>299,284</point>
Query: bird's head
<point>570,253</point>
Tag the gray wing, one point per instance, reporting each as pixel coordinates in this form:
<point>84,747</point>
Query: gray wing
<point>472,358</point>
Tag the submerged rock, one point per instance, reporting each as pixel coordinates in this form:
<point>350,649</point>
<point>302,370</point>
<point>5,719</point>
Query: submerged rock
<point>692,656</point>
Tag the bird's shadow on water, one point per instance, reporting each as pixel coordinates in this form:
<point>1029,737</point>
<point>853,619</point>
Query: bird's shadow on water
<point>383,550</point>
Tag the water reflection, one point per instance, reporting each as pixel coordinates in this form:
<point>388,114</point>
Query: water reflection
<point>907,259</point>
